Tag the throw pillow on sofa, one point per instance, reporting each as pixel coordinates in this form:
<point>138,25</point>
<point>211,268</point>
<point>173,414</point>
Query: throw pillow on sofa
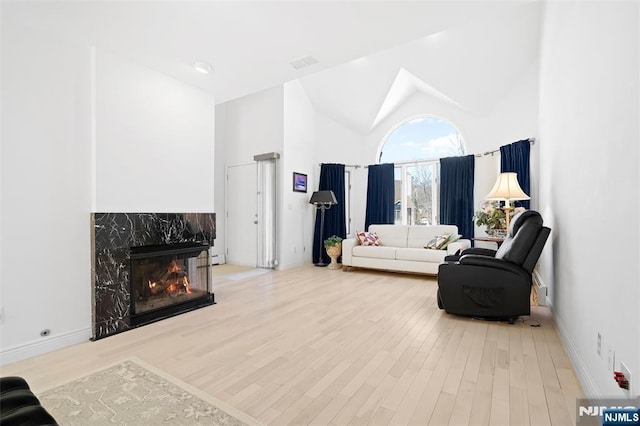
<point>439,242</point>
<point>369,239</point>
<point>452,239</point>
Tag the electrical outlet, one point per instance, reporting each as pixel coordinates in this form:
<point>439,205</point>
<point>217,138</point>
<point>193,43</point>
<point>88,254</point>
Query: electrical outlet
<point>599,345</point>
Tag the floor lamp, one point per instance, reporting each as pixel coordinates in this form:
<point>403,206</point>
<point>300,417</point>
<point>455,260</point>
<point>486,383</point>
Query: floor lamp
<point>507,189</point>
<point>323,200</point>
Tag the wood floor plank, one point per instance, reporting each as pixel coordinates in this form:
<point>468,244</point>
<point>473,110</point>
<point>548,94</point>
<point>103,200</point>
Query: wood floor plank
<point>330,411</point>
<point>305,416</point>
<point>462,408</point>
<point>500,414</point>
<point>407,407</point>
<point>314,346</point>
<point>346,415</point>
<point>481,406</point>
<point>383,385</point>
<point>538,410</point>
<point>439,362</point>
<point>327,379</point>
<point>382,416</point>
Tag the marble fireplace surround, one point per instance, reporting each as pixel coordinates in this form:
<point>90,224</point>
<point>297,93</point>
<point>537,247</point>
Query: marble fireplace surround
<point>112,236</point>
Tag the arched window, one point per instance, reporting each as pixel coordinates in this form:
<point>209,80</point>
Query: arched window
<point>415,146</point>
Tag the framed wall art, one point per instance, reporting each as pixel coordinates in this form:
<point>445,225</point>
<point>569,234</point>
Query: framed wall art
<point>299,182</point>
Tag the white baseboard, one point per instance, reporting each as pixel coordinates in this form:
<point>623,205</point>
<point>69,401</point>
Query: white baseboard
<point>45,345</point>
<point>582,372</point>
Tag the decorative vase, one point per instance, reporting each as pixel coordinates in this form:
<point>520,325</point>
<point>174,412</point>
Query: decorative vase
<point>333,252</point>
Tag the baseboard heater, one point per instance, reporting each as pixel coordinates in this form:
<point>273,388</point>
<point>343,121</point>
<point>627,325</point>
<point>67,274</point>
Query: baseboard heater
<point>540,288</point>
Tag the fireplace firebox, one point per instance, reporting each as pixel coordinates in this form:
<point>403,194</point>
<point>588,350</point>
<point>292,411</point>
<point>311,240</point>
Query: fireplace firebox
<point>168,279</point>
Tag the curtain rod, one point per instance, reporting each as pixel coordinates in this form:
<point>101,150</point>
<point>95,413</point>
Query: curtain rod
<point>357,166</point>
<point>531,141</point>
<point>400,163</point>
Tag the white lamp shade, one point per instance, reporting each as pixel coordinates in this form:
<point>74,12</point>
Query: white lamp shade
<point>507,188</point>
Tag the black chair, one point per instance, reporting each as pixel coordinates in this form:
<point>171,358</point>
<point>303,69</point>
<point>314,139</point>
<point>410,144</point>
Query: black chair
<point>19,406</point>
<point>494,284</point>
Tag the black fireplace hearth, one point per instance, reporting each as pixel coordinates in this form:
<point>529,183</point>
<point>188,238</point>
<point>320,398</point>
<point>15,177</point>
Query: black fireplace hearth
<point>148,248</point>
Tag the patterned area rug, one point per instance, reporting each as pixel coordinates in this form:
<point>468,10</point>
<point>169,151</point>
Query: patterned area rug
<point>135,393</point>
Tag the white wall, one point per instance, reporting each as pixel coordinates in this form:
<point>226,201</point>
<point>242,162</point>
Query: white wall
<point>589,108</point>
<point>220,179</point>
<point>245,127</point>
<point>149,129</point>
<point>252,125</point>
<point>45,281</point>
<point>297,215</point>
<point>337,143</point>
<point>154,141</point>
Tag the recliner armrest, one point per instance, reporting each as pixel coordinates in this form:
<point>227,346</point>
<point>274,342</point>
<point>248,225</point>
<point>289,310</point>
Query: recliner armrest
<point>470,250</point>
<point>491,262</point>
<point>479,250</point>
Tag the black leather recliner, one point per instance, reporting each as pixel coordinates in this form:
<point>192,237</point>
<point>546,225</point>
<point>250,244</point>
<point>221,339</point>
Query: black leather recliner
<point>494,284</point>
<point>19,406</point>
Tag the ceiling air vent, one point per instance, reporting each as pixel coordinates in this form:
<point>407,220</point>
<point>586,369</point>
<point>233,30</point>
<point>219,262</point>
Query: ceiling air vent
<point>304,62</point>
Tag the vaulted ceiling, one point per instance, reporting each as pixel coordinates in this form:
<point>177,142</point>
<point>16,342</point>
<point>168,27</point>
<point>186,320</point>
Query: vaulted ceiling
<point>470,66</point>
<point>372,55</point>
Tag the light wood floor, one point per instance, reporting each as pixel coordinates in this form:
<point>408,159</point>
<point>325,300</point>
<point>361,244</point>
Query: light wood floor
<point>321,347</point>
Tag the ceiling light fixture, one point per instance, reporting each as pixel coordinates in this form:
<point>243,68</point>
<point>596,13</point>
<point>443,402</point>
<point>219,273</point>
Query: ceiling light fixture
<point>203,67</point>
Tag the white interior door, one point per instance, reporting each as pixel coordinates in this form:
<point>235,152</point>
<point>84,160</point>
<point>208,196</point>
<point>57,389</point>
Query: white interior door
<point>241,229</point>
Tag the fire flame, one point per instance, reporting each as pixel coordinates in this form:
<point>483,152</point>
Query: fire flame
<point>173,267</point>
<point>177,285</point>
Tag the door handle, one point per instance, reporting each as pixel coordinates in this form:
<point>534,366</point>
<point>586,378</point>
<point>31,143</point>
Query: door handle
<point>255,222</point>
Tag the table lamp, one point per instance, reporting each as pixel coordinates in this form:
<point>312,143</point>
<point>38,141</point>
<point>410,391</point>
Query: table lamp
<point>507,189</point>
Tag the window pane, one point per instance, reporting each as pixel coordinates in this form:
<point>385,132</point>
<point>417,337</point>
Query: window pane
<point>398,206</point>
<point>421,180</point>
<point>424,138</point>
<point>414,146</point>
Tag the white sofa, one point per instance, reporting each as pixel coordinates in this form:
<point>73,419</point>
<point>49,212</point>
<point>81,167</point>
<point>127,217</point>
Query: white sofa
<point>402,249</point>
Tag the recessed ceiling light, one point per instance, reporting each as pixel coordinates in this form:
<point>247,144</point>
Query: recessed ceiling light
<point>203,67</point>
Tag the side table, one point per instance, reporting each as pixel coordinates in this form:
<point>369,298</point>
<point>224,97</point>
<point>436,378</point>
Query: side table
<point>497,240</point>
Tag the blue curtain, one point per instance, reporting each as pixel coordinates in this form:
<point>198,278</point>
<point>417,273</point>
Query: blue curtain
<point>380,195</point>
<point>515,158</point>
<point>456,193</point>
<point>331,178</point>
